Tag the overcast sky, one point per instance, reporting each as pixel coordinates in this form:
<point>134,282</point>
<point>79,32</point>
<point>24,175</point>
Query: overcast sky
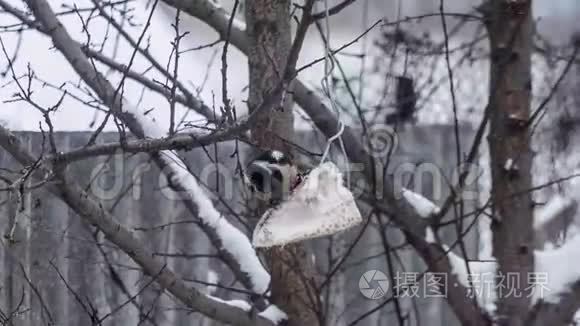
<point>558,19</point>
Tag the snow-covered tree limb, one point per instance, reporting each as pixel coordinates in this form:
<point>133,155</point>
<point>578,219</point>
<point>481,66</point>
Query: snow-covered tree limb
<point>422,205</point>
<point>93,213</point>
<point>550,221</point>
<point>561,298</point>
<point>234,246</point>
<point>551,211</point>
<point>561,313</point>
<point>404,214</point>
<point>560,275</point>
<point>484,284</point>
<point>217,17</point>
<point>274,314</point>
<point>457,292</point>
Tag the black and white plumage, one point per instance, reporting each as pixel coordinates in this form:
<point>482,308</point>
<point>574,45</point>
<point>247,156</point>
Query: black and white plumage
<point>301,206</point>
<point>272,175</point>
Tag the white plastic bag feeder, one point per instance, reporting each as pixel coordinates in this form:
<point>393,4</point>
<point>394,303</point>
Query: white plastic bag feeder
<point>321,205</point>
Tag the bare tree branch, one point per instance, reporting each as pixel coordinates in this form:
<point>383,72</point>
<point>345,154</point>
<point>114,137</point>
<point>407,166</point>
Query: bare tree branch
<point>404,214</point>
<point>187,98</point>
<point>247,268</point>
<point>186,141</point>
<point>94,213</point>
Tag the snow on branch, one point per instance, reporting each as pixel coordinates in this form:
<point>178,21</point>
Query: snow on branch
<point>480,279</point>
<point>422,205</point>
<point>212,278</point>
<point>241,304</point>
<point>510,166</point>
<point>485,241</point>
<point>208,12</point>
<point>430,235</point>
<point>558,268</point>
<point>556,271</point>
<point>217,17</point>
<point>232,240</point>
<point>216,7</point>
<point>274,314</point>
<point>93,213</point>
<point>554,208</point>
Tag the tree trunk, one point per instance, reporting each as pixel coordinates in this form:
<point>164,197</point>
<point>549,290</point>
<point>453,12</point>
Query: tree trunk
<point>510,33</point>
<point>270,41</point>
<point>269,33</point>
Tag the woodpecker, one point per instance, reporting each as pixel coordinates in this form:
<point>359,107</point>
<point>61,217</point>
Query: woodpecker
<point>272,175</point>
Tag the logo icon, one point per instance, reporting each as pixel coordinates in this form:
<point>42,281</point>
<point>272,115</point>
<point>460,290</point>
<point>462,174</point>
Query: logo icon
<point>381,141</point>
<point>373,284</point>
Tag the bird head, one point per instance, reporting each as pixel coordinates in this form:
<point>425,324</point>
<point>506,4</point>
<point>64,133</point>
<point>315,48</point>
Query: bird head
<point>272,175</point>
